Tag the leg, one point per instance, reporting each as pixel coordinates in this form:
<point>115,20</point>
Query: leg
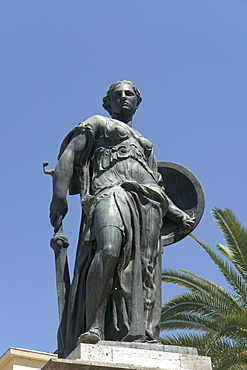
<point>100,280</point>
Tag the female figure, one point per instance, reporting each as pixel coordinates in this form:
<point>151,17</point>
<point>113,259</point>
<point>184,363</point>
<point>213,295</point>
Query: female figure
<point>116,290</point>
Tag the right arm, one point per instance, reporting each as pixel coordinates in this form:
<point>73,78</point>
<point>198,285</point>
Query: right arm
<point>65,167</point>
<point>62,177</point>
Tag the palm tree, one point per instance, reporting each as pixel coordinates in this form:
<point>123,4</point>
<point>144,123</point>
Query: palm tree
<point>207,316</point>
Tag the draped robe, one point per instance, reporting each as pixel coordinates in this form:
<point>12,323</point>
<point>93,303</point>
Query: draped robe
<point>119,185</point>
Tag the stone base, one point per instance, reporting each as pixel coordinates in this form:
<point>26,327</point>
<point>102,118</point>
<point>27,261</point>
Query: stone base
<point>138,356</point>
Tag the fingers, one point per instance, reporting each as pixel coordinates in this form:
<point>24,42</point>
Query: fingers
<point>52,218</point>
<point>187,223</point>
<point>58,210</point>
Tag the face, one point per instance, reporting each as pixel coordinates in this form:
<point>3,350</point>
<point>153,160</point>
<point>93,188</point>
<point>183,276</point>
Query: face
<point>123,100</point>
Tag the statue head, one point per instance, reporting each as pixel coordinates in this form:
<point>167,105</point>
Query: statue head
<point>106,100</point>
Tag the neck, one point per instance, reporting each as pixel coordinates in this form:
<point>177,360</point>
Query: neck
<point>125,119</point>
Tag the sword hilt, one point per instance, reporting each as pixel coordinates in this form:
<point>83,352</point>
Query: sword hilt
<point>46,170</point>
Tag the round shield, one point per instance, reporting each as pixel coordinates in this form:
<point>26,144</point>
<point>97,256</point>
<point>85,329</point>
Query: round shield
<point>185,191</point>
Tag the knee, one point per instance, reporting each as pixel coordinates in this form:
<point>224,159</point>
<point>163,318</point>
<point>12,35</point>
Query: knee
<point>110,251</point>
<point>109,241</point>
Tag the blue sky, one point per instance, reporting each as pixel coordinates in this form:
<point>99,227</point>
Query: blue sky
<point>58,58</point>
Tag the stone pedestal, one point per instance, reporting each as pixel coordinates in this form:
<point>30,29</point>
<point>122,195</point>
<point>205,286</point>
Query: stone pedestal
<point>139,356</point>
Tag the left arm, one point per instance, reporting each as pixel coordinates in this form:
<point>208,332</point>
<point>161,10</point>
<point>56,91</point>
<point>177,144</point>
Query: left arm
<point>175,214</point>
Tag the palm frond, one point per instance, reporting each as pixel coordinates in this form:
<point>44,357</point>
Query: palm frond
<point>237,283</point>
<point>235,236</point>
<point>207,316</point>
<point>225,354</point>
<point>191,321</point>
<point>198,285</point>
<point>225,250</point>
<point>235,327</point>
<point>190,311</point>
<point>196,340</point>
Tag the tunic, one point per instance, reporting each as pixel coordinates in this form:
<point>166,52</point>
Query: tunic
<point>117,178</point>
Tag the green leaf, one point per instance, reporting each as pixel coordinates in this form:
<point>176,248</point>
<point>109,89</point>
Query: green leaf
<point>207,316</point>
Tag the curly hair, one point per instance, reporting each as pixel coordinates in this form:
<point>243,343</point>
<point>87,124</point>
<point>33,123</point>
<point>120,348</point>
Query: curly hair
<point>106,100</point>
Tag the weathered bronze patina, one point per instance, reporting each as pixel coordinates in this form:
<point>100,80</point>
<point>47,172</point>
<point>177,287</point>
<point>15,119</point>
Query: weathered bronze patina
<point>116,289</point>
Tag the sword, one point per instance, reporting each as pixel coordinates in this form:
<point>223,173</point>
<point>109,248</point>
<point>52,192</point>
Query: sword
<point>59,243</point>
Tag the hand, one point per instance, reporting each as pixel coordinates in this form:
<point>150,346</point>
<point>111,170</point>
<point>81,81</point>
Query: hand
<point>186,223</point>
<point>58,210</point>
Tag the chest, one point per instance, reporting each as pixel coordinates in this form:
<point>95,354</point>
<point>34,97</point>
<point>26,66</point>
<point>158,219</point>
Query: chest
<point>115,134</point>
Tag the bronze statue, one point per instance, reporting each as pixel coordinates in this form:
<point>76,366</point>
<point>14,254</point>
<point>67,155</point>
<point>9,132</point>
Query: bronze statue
<point>116,289</point>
